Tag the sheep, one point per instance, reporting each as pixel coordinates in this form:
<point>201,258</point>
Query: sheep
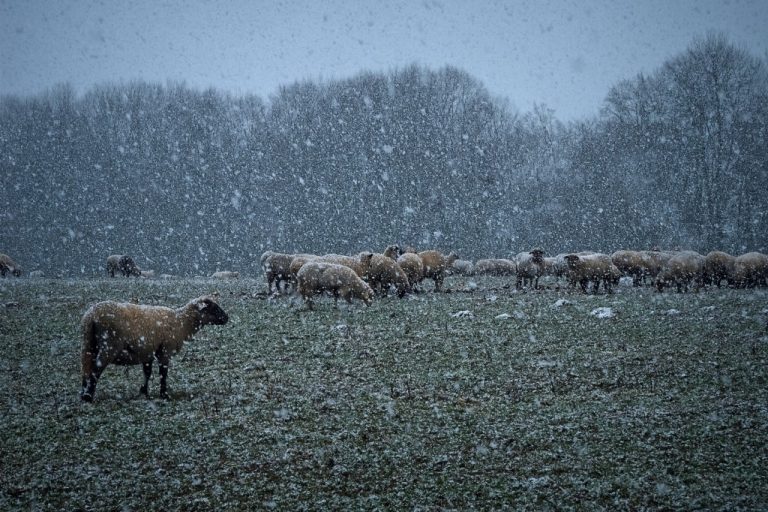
<point>413,267</point>
<point>124,333</point>
<point>392,251</point>
<point>634,264</point>
<point>225,274</point>
<point>276,267</point>
<point>359,263</point>
<point>556,266</point>
<point>530,266</point>
<point>316,277</point>
<point>750,270</point>
<point>384,272</point>
<point>462,268</point>
<point>435,264</point>
<point>37,274</point>
<point>719,265</point>
<point>123,264</point>
<point>495,267</point>
<point>657,260</point>
<point>682,269</point>
<point>594,268</point>
<point>7,265</point>
<point>147,274</point>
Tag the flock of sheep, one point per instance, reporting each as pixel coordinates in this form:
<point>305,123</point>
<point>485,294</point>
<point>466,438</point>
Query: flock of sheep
<point>362,275</point>
<point>131,334</point>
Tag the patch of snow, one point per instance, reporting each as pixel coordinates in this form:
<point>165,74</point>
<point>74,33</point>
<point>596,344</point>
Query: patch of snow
<point>603,312</point>
<point>463,314</point>
<point>561,302</point>
<point>672,312</point>
<point>503,316</point>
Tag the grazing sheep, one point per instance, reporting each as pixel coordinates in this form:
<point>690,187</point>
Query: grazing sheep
<point>123,264</point>
<point>750,270</point>
<point>530,266</point>
<point>384,272</point>
<point>593,268</point>
<point>147,274</point>
<point>359,263</point>
<point>130,334</point>
<point>682,269</point>
<point>462,268</point>
<point>719,265</point>
<point>225,274</point>
<point>7,265</point>
<point>37,274</point>
<point>657,260</point>
<point>495,267</point>
<point>297,263</point>
<point>413,267</point>
<point>316,277</point>
<point>556,266</point>
<point>276,267</point>
<point>435,265</point>
<point>635,264</point>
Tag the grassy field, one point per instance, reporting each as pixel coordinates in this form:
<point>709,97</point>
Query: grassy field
<point>480,398</point>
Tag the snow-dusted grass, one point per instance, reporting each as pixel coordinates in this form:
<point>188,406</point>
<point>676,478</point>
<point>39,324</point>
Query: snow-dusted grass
<point>527,400</point>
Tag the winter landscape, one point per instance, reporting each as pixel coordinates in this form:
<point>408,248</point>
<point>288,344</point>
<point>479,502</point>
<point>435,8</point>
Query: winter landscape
<point>392,287</point>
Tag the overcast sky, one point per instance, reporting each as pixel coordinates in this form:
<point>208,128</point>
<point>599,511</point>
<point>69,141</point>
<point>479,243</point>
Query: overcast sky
<point>565,54</point>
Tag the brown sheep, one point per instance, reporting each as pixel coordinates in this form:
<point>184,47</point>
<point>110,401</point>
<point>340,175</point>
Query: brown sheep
<point>384,272</point>
<point>530,266</point>
<point>123,264</point>
<point>681,270</point>
<point>750,270</point>
<point>297,263</point>
<point>636,265</point>
<point>593,268</point>
<point>129,334</point>
<point>719,265</point>
<point>316,277</point>
<point>413,267</point>
<point>657,260</point>
<point>435,265</point>
<point>359,263</point>
<point>276,267</point>
<point>8,266</point>
<point>495,267</point>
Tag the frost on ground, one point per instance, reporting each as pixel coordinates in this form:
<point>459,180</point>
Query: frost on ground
<point>603,312</point>
<point>394,406</point>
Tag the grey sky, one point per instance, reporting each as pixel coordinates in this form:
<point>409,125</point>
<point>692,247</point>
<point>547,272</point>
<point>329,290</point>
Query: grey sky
<point>565,54</point>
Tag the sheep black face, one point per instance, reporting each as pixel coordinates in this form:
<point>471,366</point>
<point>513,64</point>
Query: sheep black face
<point>571,260</point>
<point>211,313</point>
<point>537,256</point>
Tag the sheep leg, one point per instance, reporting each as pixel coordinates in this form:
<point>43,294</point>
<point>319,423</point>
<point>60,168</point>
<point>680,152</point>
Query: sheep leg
<point>163,360</point>
<point>147,367</point>
<point>89,384</point>
<point>164,381</point>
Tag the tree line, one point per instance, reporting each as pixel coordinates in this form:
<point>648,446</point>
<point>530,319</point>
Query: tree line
<point>191,181</point>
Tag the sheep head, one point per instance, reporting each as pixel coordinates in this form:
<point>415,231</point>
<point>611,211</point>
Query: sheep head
<point>537,255</point>
<point>571,260</point>
<point>393,251</point>
<point>210,312</point>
